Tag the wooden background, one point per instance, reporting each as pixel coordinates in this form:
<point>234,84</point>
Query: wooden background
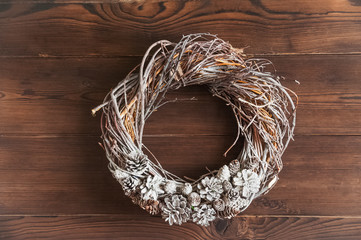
<point>58,59</point>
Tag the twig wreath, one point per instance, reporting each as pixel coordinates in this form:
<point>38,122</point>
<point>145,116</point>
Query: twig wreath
<point>264,109</point>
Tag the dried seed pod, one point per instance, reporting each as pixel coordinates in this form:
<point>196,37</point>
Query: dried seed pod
<point>170,187</point>
<point>187,189</point>
<point>219,205</point>
<point>227,186</point>
<point>234,167</point>
<point>194,199</point>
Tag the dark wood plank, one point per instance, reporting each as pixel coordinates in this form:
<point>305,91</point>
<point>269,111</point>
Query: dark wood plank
<point>135,227</point>
<point>59,58</point>
<point>128,28</point>
<point>55,96</point>
<point>68,175</point>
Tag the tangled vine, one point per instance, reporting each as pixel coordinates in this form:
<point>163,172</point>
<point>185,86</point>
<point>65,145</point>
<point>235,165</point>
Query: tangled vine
<point>264,109</point>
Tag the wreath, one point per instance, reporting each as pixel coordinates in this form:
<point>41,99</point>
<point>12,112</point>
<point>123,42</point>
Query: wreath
<point>263,108</point>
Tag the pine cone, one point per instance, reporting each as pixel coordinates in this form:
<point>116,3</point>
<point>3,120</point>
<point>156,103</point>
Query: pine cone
<point>228,212</point>
<point>210,188</point>
<point>240,203</point>
<point>137,200</point>
<point>232,195</point>
<point>223,173</point>
<point>151,188</point>
<point>204,214</point>
<point>136,163</point>
<point>175,210</point>
<point>227,186</point>
<point>194,199</point>
<point>219,205</point>
<point>151,206</point>
<point>129,185</point>
<point>248,182</point>
<point>234,200</point>
<point>234,167</point>
<point>187,189</point>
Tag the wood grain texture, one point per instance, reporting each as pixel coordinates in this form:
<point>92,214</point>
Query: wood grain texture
<point>68,175</point>
<point>133,227</point>
<point>128,28</point>
<point>54,96</point>
<point>58,59</point>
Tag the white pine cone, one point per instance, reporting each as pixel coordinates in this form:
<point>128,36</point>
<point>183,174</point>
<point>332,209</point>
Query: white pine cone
<point>210,188</point>
<point>219,205</point>
<point>194,199</point>
<point>204,214</point>
<point>248,182</point>
<point>187,189</point>
<point>129,185</point>
<point>232,195</point>
<point>233,200</point>
<point>234,167</point>
<point>136,163</point>
<point>151,188</point>
<point>227,186</point>
<point>170,187</point>
<point>223,173</point>
<point>175,210</point>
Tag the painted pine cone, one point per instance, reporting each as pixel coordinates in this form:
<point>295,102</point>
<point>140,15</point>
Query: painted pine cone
<point>204,214</point>
<point>210,188</point>
<point>175,210</point>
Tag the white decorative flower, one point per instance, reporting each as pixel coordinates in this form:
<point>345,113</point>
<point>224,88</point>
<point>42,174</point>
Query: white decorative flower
<point>223,173</point>
<point>151,188</point>
<point>210,188</point>
<point>247,181</point>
